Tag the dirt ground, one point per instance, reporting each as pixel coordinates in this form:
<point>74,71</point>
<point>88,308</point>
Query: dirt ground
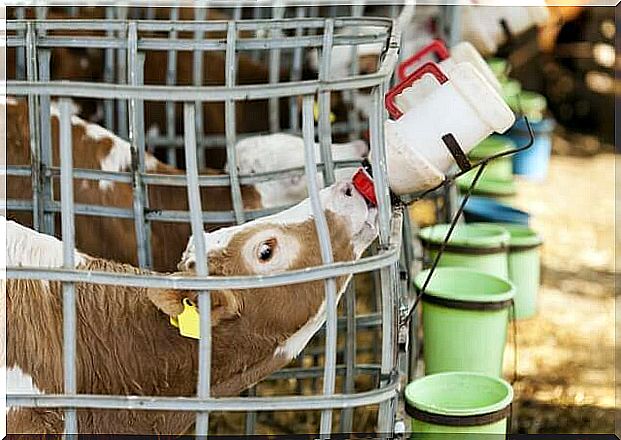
<point>566,352</point>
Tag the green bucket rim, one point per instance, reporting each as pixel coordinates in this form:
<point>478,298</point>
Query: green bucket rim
<point>502,294</point>
<point>488,186</point>
<point>471,235</point>
<point>521,236</point>
<point>433,380</point>
<point>492,145</point>
<point>511,88</point>
<point>532,104</point>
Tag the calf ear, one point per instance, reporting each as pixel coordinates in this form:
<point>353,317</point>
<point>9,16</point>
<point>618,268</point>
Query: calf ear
<point>167,300</point>
<point>225,304</point>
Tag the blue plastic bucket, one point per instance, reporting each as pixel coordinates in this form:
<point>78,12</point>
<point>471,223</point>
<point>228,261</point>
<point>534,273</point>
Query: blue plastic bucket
<point>533,163</point>
<point>484,209</point>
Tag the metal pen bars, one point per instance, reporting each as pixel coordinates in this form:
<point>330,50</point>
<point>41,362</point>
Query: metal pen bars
<point>129,36</point>
<point>115,71</point>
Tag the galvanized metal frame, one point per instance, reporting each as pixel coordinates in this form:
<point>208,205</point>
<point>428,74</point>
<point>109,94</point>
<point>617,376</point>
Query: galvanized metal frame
<point>68,233</point>
<point>276,59</point>
<point>125,37</point>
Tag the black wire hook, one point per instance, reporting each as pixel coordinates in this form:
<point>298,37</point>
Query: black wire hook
<point>480,167</point>
<point>451,179</point>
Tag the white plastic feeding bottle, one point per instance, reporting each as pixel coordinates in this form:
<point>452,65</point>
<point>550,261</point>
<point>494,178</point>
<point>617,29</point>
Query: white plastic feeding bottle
<point>487,27</point>
<point>437,120</point>
<point>463,52</point>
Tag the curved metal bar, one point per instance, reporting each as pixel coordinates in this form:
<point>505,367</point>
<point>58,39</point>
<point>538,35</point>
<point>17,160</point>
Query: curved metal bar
<point>212,217</point>
<point>155,403</point>
<point>450,180</point>
<point>174,179</point>
<point>385,258</point>
<point>77,89</point>
<point>204,26</point>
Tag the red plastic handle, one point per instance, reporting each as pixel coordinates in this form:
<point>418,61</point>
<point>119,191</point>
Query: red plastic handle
<point>364,184</point>
<point>429,67</point>
<point>437,47</point>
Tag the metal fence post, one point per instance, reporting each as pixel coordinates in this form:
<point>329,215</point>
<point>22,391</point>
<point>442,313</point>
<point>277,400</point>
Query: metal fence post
<point>108,76</point>
<point>296,75</point>
<point>137,145</point>
<point>200,14</point>
<point>171,79</point>
<point>121,76</point>
<point>68,236</point>
<point>325,245</point>
<point>229,108</point>
<point>351,96</point>
<point>34,128</point>
<point>349,386</point>
<point>376,125</point>
<point>325,135</point>
<point>202,268</point>
<point>274,74</point>
<point>47,194</point>
<point>20,53</point>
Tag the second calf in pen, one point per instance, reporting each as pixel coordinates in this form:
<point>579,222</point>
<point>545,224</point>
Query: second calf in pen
<point>87,64</point>
<point>282,151</point>
<point>125,342</point>
<point>97,148</point>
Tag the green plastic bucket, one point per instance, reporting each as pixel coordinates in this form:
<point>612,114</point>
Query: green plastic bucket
<point>458,406</point>
<point>503,190</point>
<point>499,67</point>
<point>531,104</point>
<point>524,268</point>
<point>510,89</point>
<point>478,246</point>
<point>497,169</point>
<point>465,320</point>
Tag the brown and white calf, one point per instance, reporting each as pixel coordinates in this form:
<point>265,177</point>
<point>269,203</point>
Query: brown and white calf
<point>87,64</point>
<point>125,342</point>
<point>281,151</point>
<point>97,148</point>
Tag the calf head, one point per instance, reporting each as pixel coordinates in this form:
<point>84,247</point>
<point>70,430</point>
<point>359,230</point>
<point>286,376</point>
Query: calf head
<point>269,326</point>
<point>282,242</point>
<point>288,240</point>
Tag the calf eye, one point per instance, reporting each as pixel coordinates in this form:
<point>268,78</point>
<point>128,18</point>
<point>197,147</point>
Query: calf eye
<point>266,249</point>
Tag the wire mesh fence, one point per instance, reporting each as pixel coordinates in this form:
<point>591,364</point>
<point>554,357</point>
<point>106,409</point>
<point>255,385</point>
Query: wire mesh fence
<point>184,63</point>
<point>125,97</point>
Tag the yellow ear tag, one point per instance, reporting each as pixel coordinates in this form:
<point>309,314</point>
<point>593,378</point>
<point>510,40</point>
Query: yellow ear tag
<point>188,321</point>
<point>316,114</point>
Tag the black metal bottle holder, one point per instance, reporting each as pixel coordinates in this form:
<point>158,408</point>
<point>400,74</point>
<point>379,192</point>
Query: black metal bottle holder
<point>465,166</point>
